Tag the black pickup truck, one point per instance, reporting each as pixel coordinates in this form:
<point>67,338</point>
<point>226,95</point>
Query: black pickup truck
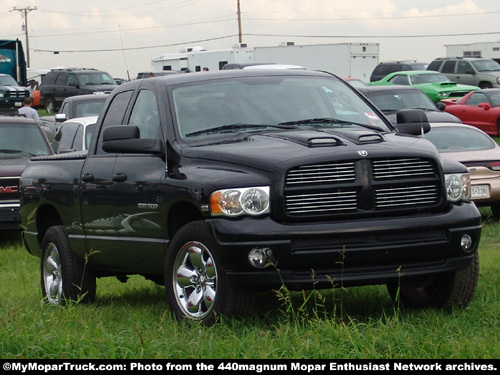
<point>223,184</point>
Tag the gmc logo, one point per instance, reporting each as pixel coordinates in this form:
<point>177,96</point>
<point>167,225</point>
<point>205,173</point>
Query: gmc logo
<point>8,189</point>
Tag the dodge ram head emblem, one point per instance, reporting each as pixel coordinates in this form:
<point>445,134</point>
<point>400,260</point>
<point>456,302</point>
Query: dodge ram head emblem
<point>363,153</point>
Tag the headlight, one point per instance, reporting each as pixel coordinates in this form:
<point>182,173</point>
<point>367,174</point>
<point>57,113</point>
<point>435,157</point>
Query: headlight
<point>498,80</point>
<point>1,94</point>
<point>442,94</point>
<point>240,201</point>
<point>458,187</point>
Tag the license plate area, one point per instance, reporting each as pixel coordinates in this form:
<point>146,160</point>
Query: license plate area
<point>480,191</point>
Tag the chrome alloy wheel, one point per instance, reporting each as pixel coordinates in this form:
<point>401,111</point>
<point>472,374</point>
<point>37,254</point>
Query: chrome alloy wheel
<point>195,280</point>
<point>52,275</point>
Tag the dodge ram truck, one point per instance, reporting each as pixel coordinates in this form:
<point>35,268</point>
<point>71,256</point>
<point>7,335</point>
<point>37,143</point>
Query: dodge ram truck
<point>219,185</point>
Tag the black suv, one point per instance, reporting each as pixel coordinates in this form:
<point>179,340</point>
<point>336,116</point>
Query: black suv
<point>59,84</point>
<point>387,67</point>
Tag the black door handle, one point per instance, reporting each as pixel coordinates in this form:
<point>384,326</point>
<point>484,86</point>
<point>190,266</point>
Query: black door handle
<point>120,177</point>
<point>88,177</point>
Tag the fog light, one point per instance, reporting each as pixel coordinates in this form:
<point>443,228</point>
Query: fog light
<point>261,257</point>
<point>466,243</point>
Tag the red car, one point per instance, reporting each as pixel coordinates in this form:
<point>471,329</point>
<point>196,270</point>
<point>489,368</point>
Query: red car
<point>478,108</point>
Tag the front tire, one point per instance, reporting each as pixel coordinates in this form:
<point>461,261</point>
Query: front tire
<point>196,286</point>
<point>50,105</point>
<point>64,276</point>
<point>441,290</point>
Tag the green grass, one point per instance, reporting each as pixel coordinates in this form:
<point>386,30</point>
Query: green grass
<point>132,320</point>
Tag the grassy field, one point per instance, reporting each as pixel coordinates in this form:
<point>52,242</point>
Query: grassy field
<point>132,320</point>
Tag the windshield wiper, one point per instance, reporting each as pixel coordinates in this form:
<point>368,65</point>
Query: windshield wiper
<point>233,127</point>
<point>11,151</point>
<point>328,120</point>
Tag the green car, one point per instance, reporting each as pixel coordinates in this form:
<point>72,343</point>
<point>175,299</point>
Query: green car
<point>436,85</point>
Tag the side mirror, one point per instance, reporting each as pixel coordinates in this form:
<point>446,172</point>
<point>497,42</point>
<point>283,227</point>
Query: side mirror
<point>412,121</point>
<point>485,106</point>
<point>61,117</point>
<point>125,139</point>
<point>441,106</point>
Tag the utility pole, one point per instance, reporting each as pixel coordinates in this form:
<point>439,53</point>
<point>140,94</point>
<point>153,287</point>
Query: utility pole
<point>240,38</point>
<point>25,11</point>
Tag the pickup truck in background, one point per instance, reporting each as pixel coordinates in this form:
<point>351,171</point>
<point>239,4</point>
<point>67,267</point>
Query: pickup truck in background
<point>223,184</point>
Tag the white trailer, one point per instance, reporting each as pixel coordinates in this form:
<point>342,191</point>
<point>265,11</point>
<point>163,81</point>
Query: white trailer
<point>197,58</point>
<point>344,59</point>
<point>482,49</point>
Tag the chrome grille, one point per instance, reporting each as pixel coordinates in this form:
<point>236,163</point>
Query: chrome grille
<point>321,173</point>
<point>406,196</point>
<point>340,201</point>
<point>362,186</point>
<point>402,168</point>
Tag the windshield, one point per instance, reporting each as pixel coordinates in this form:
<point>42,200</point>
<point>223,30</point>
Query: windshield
<point>96,78</point>
<point>6,80</point>
<point>22,139</point>
<point>486,65</point>
<point>459,139</point>
<point>429,78</point>
<point>390,102</point>
<point>269,103</point>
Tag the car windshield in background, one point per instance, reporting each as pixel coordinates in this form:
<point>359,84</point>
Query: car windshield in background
<point>6,80</point>
<point>486,65</point>
<point>101,78</point>
<point>88,108</point>
<point>429,78</point>
<point>22,140</point>
<point>267,103</point>
<point>456,139</point>
<point>391,102</point>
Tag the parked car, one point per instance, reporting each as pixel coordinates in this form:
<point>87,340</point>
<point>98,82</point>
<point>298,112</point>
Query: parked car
<point>479,153</point>
<point>11,94</point>
<point>59,84</point>
<point>20,139</point>
<point>392,98</point>
<point>477,71</point>
<point>74,134</point>
<point>478,108</point>
<point>435,85</point>
<point>75,106</point>
<point>387,67</point>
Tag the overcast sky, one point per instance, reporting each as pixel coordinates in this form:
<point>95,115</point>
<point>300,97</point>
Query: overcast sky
<point>122,36</point>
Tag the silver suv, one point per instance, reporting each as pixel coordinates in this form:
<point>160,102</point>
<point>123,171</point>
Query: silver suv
<point>476,71</point>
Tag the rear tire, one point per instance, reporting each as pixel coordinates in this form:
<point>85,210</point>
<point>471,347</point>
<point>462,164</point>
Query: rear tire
<point>196,286</point>
<point>495,210</point>
<point>441,290</point>
<point>64,275</point>
<point>50,105</point>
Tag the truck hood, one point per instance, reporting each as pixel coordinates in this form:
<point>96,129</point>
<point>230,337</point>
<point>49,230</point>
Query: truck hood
<point>12,166</point>
<point>266,151</point>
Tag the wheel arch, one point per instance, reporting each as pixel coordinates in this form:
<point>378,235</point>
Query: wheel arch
<point>46,217</point>
<point>180,214</point>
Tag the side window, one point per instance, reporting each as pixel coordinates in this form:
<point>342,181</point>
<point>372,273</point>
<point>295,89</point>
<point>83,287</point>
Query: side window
<point>78,142</point>
<point>65,109</point>
<point>114,114</point>
<point>399,80</point>
<point>61,79</point>
<point>463,66</point>
<point>145,114</point>
<point>434,65</point>
<point>71,80</point>
<point>477,98</point>
<point>67,135</point>
<point>449,67</point>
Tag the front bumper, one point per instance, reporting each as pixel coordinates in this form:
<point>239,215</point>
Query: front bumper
<point>9,216</point>
<point>350,252</point>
